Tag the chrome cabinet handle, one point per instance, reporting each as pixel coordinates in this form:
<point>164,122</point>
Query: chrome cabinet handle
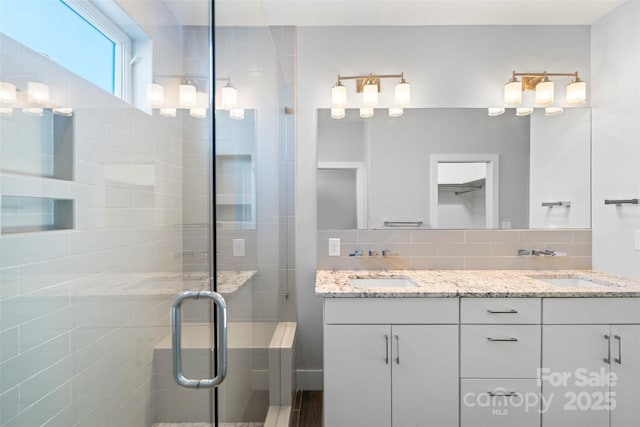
<point>386,349</point>
<point>619,359</point>
<point>512,311</point>
<point>176,338</point>
<point>512,339</point>
<point>608,358</point>
<point>397,349</point>
<point>502,394</point>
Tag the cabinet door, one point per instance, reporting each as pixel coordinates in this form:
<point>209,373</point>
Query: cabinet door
<point>357,376</point>
<point>625,364</point>
<point>425,375</point>
<point>571,354</point>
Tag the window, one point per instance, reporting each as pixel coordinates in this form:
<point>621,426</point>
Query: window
<point>76,35</point>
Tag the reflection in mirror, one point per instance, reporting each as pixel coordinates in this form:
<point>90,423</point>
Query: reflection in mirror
<point>235,172</point>
<point>461,195</point>
<point>401,179</point>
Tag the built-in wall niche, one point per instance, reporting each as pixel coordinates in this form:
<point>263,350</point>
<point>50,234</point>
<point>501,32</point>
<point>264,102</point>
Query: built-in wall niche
<point>37,145</point>
<point>19,214</point>
<point>235,192</point>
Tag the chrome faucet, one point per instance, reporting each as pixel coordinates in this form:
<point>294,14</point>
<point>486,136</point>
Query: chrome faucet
<point>538,252</point>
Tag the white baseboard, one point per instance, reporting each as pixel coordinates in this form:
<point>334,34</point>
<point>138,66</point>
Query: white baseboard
<point>309,379</point>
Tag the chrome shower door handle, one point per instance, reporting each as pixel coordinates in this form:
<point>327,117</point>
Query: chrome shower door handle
<point>176,339</point>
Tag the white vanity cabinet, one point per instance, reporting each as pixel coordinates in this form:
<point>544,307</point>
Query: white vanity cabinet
<point>390,362</point>
<point>499,361</point>
<point>591,362</point>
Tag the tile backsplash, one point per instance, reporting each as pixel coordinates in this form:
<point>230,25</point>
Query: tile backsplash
<point>455,249</point>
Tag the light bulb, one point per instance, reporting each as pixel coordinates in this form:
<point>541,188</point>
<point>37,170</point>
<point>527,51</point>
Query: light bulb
<point>576,93</point>
<point>370,94</point>
<point>544,93</point>
<point>402,94</point>
<point>155,95</point>
<point>337,113</point>
<point>229,97</point>
<point>37,93</point>
<point>8,93</point>
<point>523,111</point>
<point>395,111</point>
<point>236,113</point>
<point>366,112</point>
<point>339,96</point>
<point>513,93</point>
<point>187,95</point>
<point>496,111</point>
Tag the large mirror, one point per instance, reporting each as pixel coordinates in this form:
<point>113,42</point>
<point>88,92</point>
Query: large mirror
<point>454,168</point>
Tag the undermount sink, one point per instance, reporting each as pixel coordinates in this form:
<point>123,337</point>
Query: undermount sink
<point>382,282</point>
<point>570,282</point>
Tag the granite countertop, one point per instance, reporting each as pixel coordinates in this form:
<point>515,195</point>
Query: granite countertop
<point>475,283</point>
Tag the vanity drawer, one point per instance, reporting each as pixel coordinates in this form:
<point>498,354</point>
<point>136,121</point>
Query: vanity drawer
<point>500,310</point>
<point>499,351</point>
<point>499,403</point>
<point>391,311</point>
<point>575,311</point>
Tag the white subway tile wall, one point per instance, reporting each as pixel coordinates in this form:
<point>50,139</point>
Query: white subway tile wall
<point>81,309</point>
<point>456,249</point>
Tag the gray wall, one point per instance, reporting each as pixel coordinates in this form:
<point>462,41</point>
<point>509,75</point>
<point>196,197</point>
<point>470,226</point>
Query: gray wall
<point>337,209</point>
<point>615,59</point>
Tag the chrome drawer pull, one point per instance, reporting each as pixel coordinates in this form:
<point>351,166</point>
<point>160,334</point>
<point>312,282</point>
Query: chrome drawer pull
<point>608,358</point>
<point>619,359</point>
<point>512,339</point>
<point>512,311</point>
<point>397,349</point>
<point>502,394</point>
<point>386,349</point>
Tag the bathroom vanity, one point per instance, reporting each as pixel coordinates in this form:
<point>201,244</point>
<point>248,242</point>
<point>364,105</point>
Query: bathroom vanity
<point>480,348</point>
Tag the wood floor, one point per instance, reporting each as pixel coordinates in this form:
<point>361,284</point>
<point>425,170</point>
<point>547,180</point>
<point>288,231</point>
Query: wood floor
<point>307,410</point>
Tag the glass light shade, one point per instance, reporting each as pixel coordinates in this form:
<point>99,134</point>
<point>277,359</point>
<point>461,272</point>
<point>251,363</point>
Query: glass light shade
<point>396,111</point>
<point>8,93</point>
<point>495,111</point>
<point>198,112</point>
<point>366,112</point>
<point>513,93</point>
<point>38,93</point>
<point>6,111</point>
<point>168,112</point>
<point>553,111</point>
<point>33,111</point>
<point>544,93</point>
<point>370,95</point>
<point>155,95</point>
<point>236,113</point>
<point>576,93</point>
<point>524,111</point>
<point>63,111</point>
<point>339,97</point>
<point>337,113</point>
<point>229,98</point>
<point>402,94</point>
<point>187,96</point>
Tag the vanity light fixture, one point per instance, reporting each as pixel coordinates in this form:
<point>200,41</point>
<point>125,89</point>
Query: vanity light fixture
<point>185,96</point>
<point>369,85</point>
<point>544,88</point>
